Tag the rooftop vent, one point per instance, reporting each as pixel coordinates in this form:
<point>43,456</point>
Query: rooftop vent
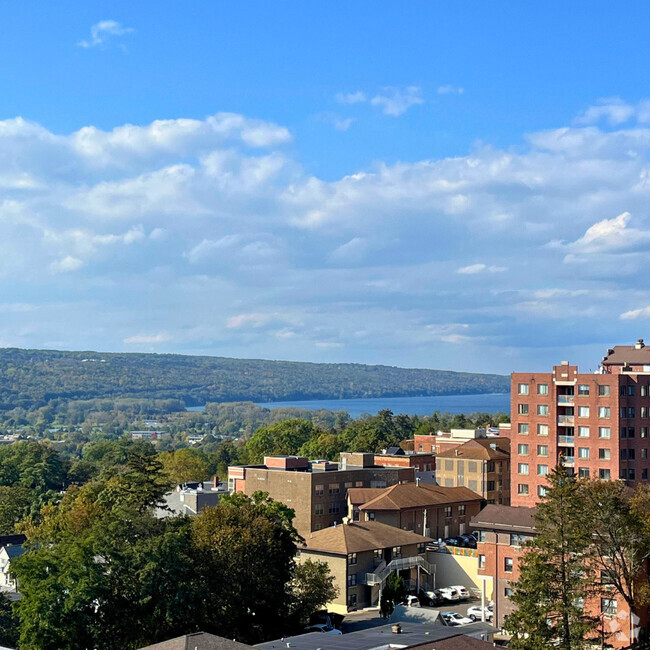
<point>610,351</point>
<point>639,344</point>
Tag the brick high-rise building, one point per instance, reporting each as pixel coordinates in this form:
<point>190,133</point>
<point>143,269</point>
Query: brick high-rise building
<point>597,424</point>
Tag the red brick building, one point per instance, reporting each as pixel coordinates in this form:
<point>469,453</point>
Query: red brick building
<point>597,425</point>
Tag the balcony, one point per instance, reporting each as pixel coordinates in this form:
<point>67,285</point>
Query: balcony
<point>565,441</point>
<point>383,571</point>
<point>565,420</point>
<point>565,400</point>
<point>568,461</point>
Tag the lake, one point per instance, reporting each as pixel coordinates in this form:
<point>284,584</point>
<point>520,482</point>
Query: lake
<point>486,403</point>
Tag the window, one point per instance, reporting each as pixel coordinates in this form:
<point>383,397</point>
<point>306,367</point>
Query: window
<point>603,454</point>
<point>507,592</point>
<point>334,488</point>
<point>352,558</point>
<point>471,467</point>
<point>604,474</point>
<point>489,486</point>
<point>352,600</point>
<point>630,412</point>
<point>583,389</point>
<point>644,474</point>
<point>508,564</point>
<point>522,450</point>
<point>471,484</point>
<point>522,409</point>
<point>623,454</point>
<point>630,432</point>
<point>604,432</point>
<point>542,429</point>
<point>397,551</point>
<point>482,536</point>
<point>371,516</point>
<point>608,606</point>
<point>523,429</point>
<point>542,409</point>
<point>603,391</point>
<point>583,472</point>
<point>630,391</point>
<point>378,555</point>
<point>461,510</point>
<point>352,580</point>
<point>422,548</point>
<point>542,470</point>
<point>583,452</point>
<point>447,511</point>
<point>583,432</point>
<point>644,412</point>
<point>334,508</point>
<point>631,454</point>
<point>631,474</point>
<point>449,466</point>
<point>522,489</point>
<point>517,540</point>
<point>481,561</point>
<point>622,391</point>
<point>604,412</point>
<point>583,411</point>
<point>541,491</point>
<point>644,432</point>
<point>644,453</point>
<point>644,390</point>
<point>522,468</point>
<point>623,474</point>
<point>542,450</point>
<point>542,389</point>
<point>489,466</point>
<point>319,509</point>
<point>523,389</point>
<point>319,490</point>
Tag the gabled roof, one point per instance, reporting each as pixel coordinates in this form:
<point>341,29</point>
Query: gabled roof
<point>358,496</point>
<point>13,551</point>
<point>198,641</point>
<point>480,449</point>
<point>514,518</point>
<point>457,642</point>
<point>411,495</point>
<point>360,536</point>
<point>628,354</point>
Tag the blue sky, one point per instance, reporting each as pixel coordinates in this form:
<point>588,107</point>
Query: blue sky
<point>452,185</point>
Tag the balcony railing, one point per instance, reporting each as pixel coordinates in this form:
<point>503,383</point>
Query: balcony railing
<point>565,399</point>
<point>380,574</point>
<point>568,461</point>
<point>566,440</point>
<point>565,420</point>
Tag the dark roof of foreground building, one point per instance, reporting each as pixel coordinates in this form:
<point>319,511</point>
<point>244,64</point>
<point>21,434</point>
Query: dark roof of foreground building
<point>458,642</point>
<point>358,536</point>
<point>362,495</point>
<point>198,641</point>
<point>412,495</point>
<point>516,518</point>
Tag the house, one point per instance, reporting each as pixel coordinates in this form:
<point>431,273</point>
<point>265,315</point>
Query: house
<point>7,555</point>
<point>429,510</point>
<point>482,465</point>
<point>315,490</point>
<point>361,555</point>
<point>198,641</point>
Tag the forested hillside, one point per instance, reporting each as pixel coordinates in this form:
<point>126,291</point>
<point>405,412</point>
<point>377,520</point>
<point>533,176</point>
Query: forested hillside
<point>32,378</point>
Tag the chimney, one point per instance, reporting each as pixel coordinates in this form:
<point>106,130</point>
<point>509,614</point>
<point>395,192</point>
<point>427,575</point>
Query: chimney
<point>346,521</point>
<point>456,452</point>
<point>639,344</point>
<point>417,481</point>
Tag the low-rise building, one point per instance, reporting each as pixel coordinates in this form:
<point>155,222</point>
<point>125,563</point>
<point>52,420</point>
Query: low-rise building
<point>482,465</point>
<point>7,555</point>
<point>423,463</point>
<point>191,498</point>
<point>445,440</point>
<point>361,555</point>
<point>428,510</point>
<point>315,490</point>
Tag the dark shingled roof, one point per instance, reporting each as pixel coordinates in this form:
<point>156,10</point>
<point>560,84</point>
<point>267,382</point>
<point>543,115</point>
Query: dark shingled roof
<point>198,641</point>
<point>358,496</point>
<point>480,449</point>
<point>458,642</point>
<point>411,495</point>
<point>504,517</point>
<point>360,536</point>
<point>628,354</point>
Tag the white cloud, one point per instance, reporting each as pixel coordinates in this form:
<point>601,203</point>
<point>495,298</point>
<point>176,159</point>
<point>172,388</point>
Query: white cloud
<point>104,31</point>
<point>161,337</point>
<point>612,109</point>
<point>66,264</point>
<point>473,269</point>
<point>351,98</point>
<point>450,90</point>
<point>635,314</point>
<point>396,101</point>
<point>248,320</point>
<point>328,344</point>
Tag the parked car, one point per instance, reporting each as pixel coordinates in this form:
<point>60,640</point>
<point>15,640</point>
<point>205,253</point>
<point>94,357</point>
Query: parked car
<point>462,591</point>
<point>412,601</point>
<point>449,593</point>
<point>430,598</point>
<point>469,540</point>
<point>476,613</point>
<point>322,627</point>
<point>451,618</point>
<point>454,541</point>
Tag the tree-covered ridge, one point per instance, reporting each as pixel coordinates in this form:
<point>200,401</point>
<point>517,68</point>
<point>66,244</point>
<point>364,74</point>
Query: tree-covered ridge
<point>32,378</point>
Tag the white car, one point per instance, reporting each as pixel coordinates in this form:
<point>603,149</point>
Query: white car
<point>476,613</point>
<point>322,627</point>
<point>462,592</point>
<point>412,601</point>
<point>451,618</point>
<point>450,593</point>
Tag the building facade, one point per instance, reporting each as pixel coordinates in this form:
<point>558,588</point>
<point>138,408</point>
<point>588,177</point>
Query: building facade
<point>316,491</point>
<point>482,465</point>
<point>596,424</point>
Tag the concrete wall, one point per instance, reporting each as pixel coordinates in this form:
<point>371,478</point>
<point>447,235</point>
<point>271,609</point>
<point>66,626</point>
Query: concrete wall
<point>457,570</point>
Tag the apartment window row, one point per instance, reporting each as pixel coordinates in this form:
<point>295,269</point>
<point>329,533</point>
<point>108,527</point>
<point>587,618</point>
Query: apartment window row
<point>524,469</point>
<point>626,391</point>
<point>628,412</point>
<point>604,474</point>
<point>628,474</point>
<point>583,390</point>
<point>523,429</point>
<point>628,454</point>
<point>603,432</point>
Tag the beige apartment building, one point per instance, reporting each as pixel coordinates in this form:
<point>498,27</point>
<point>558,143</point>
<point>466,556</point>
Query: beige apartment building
<point>482,465</point>
<point>316,491</point>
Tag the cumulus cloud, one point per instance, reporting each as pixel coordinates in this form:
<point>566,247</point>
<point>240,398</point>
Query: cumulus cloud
<point>473,269</point>
<point>66,264</point>
<point>396,101</point>
<point>351,98</point>
<point>103,32</point>
<point>612,109</point>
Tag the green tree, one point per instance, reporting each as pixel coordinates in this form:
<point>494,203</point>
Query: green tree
<point>15,504</point>
<point>394,592</point>
<point>556,572</point>
<point>282,438</point>
<point>185,465</point>
<point>326,445</point>
<point>311,589</point>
